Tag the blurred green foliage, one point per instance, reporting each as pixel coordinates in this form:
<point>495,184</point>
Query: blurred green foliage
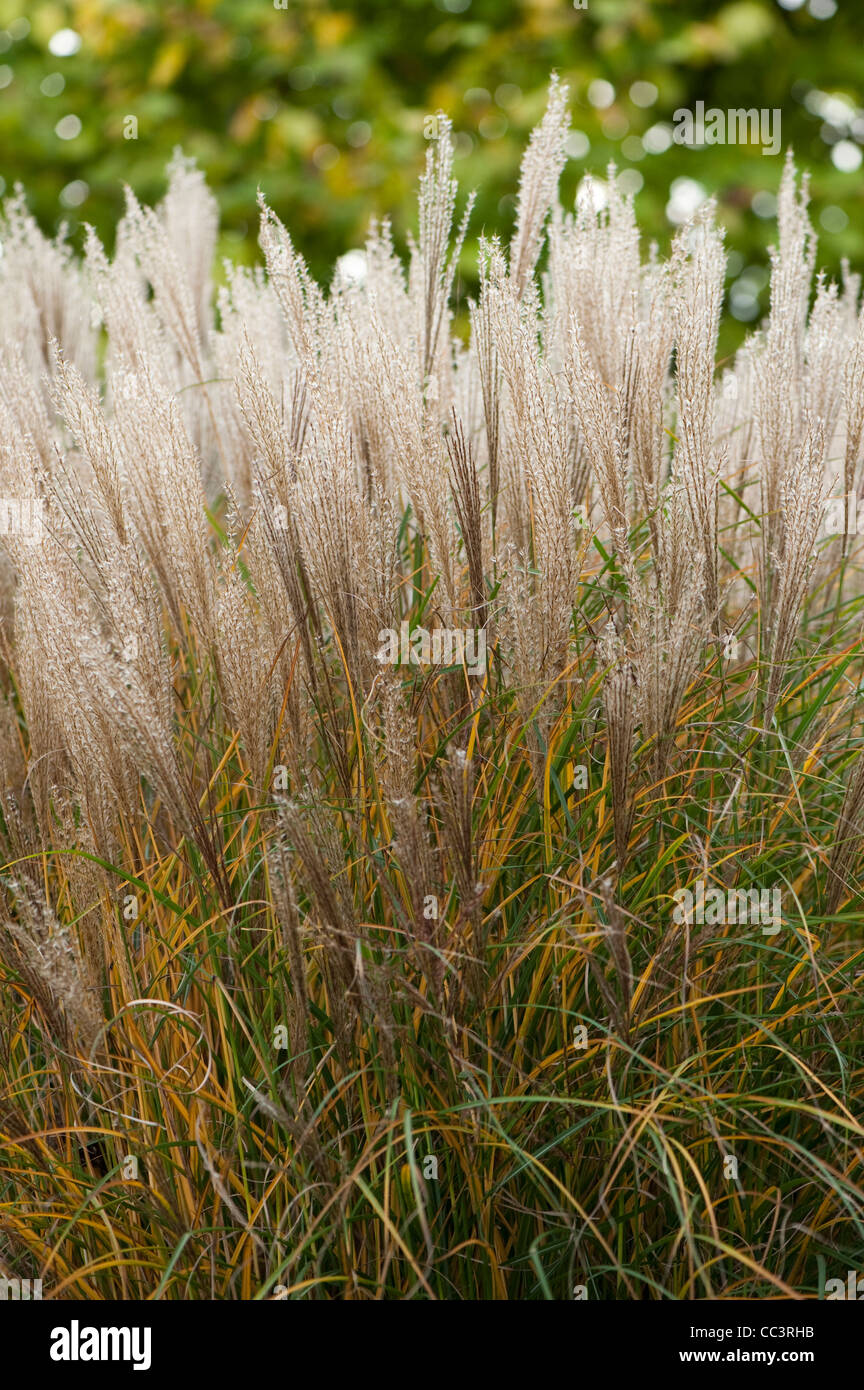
<point>323,105</point>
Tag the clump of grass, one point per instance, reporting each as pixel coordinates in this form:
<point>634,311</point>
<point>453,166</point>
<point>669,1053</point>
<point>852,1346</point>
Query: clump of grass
<point>330,976</point>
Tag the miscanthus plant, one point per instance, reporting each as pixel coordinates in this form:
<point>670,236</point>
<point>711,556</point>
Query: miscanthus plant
<point>344,956</point>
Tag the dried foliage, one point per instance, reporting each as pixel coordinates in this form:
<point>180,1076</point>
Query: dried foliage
<point>284,910</point>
